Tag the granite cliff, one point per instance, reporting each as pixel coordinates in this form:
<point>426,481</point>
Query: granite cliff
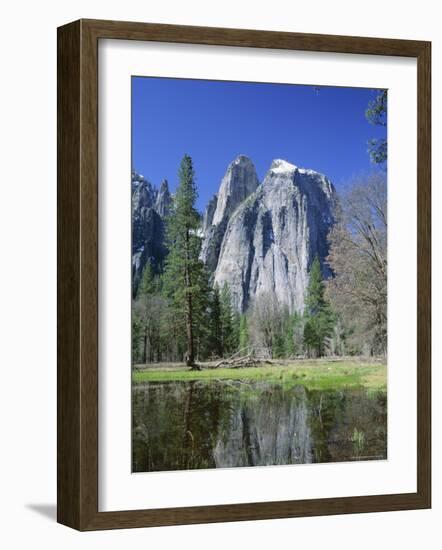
<point>239,181</point>
<point>267,242</point>
<point>150,206</point>
<point>259,238</point>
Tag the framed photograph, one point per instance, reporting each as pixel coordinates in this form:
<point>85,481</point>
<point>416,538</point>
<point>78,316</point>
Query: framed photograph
<point>243,274</point>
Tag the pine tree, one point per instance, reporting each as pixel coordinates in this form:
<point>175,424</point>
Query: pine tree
<point>216,322</point>
<point>294,336</point>
<point>148,284</point>
<point>202,304</point>
<point>184,272</point>
<point>319,317</point>
<point>236,323</point>
<point>226,320</point>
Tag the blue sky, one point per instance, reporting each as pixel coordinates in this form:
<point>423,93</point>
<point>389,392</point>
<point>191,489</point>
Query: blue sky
<point>320,128</point>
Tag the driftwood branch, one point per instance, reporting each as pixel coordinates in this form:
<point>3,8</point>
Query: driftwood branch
<point>237,361</point>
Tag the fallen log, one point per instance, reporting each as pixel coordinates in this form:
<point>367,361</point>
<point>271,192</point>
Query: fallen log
<point>240,362</point>
<point>231,358</point>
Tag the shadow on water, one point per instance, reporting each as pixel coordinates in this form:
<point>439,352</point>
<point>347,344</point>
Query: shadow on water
<point>192,425</point>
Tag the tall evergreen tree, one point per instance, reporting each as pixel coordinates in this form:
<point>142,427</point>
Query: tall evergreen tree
<point>294,335</point>
<point>184,272</point>
<point>148,283</point>
<point>227,320</point>
<point>319,316</point>
<point>216,323</point>
<point>236,325</point>
<point>202,308</point>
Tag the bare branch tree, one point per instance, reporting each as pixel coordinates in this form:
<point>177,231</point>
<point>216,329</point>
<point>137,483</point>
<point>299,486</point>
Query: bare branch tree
<point>358,258</point>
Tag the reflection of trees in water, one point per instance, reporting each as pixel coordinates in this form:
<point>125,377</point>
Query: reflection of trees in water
<point>338,416</point>
<point>228,424</point>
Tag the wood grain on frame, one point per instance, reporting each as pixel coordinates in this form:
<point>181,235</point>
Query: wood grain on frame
<point>77,225</point>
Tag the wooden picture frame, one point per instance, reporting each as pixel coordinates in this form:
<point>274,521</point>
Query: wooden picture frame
<point>77,461</point>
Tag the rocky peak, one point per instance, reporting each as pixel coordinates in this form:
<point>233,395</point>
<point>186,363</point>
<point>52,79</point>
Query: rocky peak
<point>239,181</point>
<point>143,193</point>
<point>149,208</point>
<point>163,200</point>
<point>280,166</point>
<point>280,169</point>
<point>273,237</point>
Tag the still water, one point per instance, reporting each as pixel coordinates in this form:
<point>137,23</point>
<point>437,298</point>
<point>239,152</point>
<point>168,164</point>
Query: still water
<point>190,425</point>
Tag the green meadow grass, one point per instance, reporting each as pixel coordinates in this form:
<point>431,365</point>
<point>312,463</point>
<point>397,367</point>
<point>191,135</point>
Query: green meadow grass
<point>315,375</point>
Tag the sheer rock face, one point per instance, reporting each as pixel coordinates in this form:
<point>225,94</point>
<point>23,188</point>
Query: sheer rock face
<point>208,214</point>
<point>149,207</point>
<point>271,239</point>
<point>239,181</point>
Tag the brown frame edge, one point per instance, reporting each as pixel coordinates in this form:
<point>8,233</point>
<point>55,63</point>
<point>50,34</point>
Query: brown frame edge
<point>77,250</point>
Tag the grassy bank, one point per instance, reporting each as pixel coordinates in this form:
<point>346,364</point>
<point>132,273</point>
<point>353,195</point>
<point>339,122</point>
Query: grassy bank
<point>320,374</point>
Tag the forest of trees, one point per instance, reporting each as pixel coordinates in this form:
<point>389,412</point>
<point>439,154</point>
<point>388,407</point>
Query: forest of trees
<point>179,316</point>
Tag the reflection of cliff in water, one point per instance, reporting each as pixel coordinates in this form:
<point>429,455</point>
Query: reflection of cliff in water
<point>271,428</point>
<point>229,424</point>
